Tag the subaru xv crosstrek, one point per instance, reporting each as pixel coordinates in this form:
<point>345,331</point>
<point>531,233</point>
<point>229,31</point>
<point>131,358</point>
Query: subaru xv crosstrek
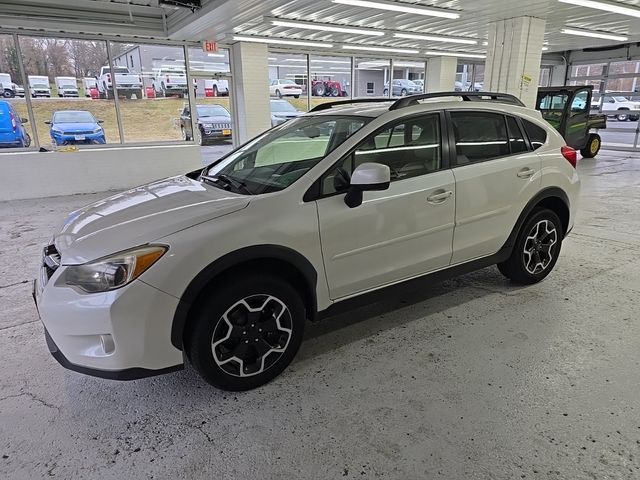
<point>222,267</point>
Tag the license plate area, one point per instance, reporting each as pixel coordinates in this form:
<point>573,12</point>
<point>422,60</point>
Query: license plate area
<point>226,131</point>
<point>79,137</point>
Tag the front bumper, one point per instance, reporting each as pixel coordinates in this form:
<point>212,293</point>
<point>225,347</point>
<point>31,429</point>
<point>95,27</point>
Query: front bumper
<point>87,138</point>
<point>123,334</point>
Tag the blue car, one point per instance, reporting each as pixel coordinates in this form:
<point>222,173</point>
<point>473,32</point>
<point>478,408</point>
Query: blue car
<point>12,131</point>
<point>71,127</point>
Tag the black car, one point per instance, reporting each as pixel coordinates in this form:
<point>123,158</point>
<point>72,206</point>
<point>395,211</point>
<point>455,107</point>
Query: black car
<point>214,123</point>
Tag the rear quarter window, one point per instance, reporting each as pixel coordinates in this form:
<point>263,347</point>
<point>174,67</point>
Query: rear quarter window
<point>537,135</point>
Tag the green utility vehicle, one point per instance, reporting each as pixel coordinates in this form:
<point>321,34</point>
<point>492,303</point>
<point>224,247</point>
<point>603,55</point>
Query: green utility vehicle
<point>568,109</point>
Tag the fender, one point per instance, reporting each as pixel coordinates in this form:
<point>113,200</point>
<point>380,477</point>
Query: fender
<point>549,192</point>
<point>237,258</point>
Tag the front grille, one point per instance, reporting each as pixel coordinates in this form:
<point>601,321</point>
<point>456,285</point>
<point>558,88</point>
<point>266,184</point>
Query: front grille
<point>50,260</point>
<point>81,132</point>
<point>220,126</point>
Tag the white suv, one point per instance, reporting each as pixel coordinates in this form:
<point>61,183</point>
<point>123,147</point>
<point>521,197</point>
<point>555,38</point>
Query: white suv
<point>223,266</point>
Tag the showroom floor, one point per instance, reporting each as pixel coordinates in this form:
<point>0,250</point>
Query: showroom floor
<point>474,379</point>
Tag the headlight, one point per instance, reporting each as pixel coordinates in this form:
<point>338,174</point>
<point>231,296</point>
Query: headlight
<point>207,125</point>
<point>114,271</point>
<point>97,130</point>
<point>57,130</point>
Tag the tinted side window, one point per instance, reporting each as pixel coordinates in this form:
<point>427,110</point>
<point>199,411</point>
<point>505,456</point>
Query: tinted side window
<point>516,138</point>
<point>479,136</point>
<point>409,148</point>
<point>537,135</point>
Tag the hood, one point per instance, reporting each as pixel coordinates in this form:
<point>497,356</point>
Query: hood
<point>215,119</point>
<point>80,126</point>
<point>140,216</point>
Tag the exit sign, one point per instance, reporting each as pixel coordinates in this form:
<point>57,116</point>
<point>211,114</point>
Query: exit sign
<point>209,46</point>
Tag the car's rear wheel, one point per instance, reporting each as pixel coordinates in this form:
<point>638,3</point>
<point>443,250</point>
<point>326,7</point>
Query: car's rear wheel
<point>385,92</point>
<point>622,117</point>
<point>536,250</point>
<point>26,142</point>
<point>185,136</point>
<point>592,147</point>
<point>278,94</point>
<point>246,332</point>
<point>403,92</point>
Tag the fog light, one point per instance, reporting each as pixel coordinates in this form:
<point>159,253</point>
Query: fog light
<point>107,343</point>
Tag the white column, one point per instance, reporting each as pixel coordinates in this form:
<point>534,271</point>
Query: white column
<point>513,57</point>
<point>441,74</point>
<point>249,90</point>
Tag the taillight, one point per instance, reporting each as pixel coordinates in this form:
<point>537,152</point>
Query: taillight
<point>570,154</point>
<point>108,77</point>
<point>14,124</point>
<point>168,79</point>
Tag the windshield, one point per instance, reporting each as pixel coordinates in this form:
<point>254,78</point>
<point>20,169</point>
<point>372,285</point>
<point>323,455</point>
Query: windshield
<point>621,99</point>
<point>287,82</point>
<point>282,107</point>
<point>279,157</point>
<point>117,70</point>
<point>67,85</point>
<point>553,101</point>
<point>212,111</point>
<point>40,85</point>
<point>73,117</point>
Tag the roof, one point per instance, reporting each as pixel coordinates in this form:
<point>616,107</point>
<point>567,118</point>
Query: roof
<point>568,88</point>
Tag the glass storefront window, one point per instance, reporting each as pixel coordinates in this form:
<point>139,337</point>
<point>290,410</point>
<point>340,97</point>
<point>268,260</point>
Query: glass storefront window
<point>330,78</point>
<point>408,78</point>
<point>371,77</point>
<point>288,79</point>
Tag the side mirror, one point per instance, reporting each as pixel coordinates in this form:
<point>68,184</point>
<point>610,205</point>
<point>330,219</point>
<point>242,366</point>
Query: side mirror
<point>367,177</point>
<point>24,120</point>
<point>48,122</point>
<point>100,121</point>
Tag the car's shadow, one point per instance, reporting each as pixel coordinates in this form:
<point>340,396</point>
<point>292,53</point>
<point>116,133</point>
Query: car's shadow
<point>414,302</point>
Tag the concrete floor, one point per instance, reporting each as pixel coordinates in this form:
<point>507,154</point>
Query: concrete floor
<point>474,379</point>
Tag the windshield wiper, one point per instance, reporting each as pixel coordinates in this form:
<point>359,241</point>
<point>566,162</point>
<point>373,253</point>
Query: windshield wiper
<point>229,182</point>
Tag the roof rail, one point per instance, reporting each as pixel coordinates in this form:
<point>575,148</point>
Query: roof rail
<point>466,96</point>
<point>328,105</point>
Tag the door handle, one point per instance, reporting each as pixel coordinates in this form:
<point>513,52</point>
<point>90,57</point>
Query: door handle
<point>439,197</point>
<point>525,173</point>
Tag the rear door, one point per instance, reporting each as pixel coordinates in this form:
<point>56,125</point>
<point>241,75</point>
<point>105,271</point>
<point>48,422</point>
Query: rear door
<point>496,174</point>
<point>397,233</point>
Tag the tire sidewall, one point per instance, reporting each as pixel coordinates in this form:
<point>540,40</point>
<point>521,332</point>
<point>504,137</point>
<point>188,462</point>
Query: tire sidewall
<point>538,215</point>
<point>205,320</point>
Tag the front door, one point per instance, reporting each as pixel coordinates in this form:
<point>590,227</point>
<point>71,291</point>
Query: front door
<point>576,132</point>
<point>398,233</point>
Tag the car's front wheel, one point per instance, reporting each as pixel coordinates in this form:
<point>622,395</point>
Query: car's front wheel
<point>536,249</point>
<point>246,332</point>
<point>622,117</point>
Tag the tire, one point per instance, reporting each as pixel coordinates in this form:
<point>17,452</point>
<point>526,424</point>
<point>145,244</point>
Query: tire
<point>138,94</point>
<point>385,92</point>
<point>592,147</point>
<point>634,118</point>
<point>622,117</point>
<point>403,92</point>
<point>334,91</point>
<point>185,135</point>
<point>318,90</point>
<point>223,322</point>
<point>278,94</point>
<point>296,96</point>
<point>27,140</point>
<point>529,263</point>
<point>8,94</point>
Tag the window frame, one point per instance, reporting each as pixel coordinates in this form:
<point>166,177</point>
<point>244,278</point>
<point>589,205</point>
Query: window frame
<point>452,139</point>
<point>526,133</point>
<point>314,192</point>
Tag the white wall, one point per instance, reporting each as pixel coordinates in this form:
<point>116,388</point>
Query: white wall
<point>47,174</point>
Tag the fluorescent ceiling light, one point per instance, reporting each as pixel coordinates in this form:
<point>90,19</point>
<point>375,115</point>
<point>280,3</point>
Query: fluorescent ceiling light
<point>380,49</point>
<point>272,59</point>
<point>544,49</point>
<point>606,6</point>
<point>434,38</point>
<point>217,55</point>
<point>587,33</point>
<point>278,41</point>
<point>332,61</point>
<point>294,60</point>
<point>455,54</point>
<point>326,27</point>
<point>400,7</point>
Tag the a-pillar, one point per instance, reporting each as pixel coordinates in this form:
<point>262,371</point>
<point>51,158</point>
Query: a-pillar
<point>514,51</point>
<point>249,90</point>
<point>441,74</point>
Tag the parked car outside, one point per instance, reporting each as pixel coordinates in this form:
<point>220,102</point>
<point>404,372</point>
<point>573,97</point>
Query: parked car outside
<point>72,127</point>
<point>214,123</point>
<point>283,87</point>
<point>12,131</point>
<point>128,83</point>
<point>39,86</point>
<point>281,111</point>
<point>223,266</point>
<point>7,87</point>
<point>67,86</point>
<point>168,81</point>
<point>87,84</point>
<point>618,104</point>
<point>419,84</point>
<point>18,90</point>
<point>401,88</point>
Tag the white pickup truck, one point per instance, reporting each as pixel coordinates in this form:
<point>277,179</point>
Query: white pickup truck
<point>169,81</point>
<point>127,83</point>
<point>617,105</point>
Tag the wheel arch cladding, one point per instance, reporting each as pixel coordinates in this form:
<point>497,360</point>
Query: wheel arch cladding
<point>275,259</point>
<point>554,199</point>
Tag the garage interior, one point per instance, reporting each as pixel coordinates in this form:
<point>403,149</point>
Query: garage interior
<point>471,378</point>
